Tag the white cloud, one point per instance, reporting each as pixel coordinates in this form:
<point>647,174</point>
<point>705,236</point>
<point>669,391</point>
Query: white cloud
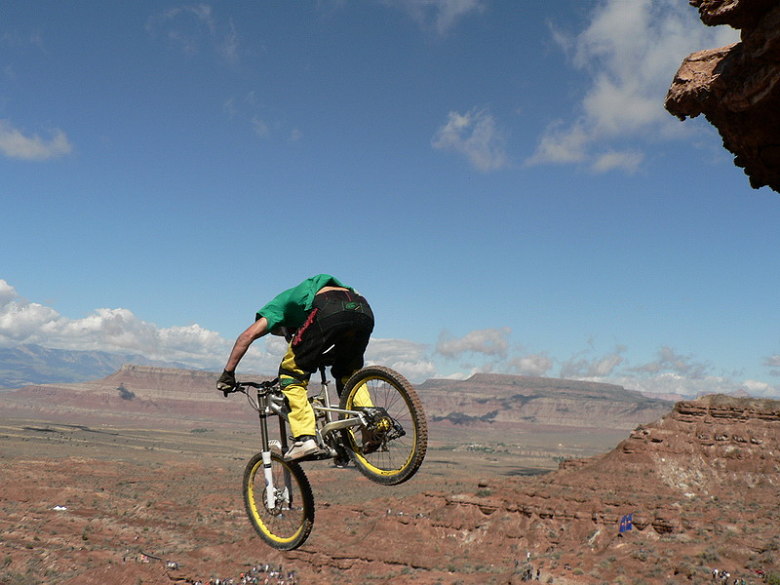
<point>605,366</point>
<point>691,387</point>
<point>260,127</point>
<point>16,39</point>
<point>7,293</point>
<point>491,342</point>
<point>474,135</point>
<point>14,144</point>
<point>759,388</point>
<point>121,331</point>
<point>439,15</point>
<point>189,28</point>
<point>630,51</point>
<point>671,373</point>
<point>228,45</point>
<point>183,27</point>
<point>24,323</point>
<point>628,161</point>
<point>561,145</point>
<point>668,360</point>
<point>248,109</point>
<point>531,365</point>
<point>772,361</point>
<point>599,367</point>
<point>409,358</point>
<point>229,107</point>
<point>110,330</point>
<point>670,383</point>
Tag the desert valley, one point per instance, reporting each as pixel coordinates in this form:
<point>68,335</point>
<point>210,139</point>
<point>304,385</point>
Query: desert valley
<point>135,479</point>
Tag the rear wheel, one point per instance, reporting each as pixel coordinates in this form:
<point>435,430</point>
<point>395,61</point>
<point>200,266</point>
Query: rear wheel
<point>391,448</point>
<point>287,523</point>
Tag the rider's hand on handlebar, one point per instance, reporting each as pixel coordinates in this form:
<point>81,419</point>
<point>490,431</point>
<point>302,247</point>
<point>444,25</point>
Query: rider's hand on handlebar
<point>227,382</point>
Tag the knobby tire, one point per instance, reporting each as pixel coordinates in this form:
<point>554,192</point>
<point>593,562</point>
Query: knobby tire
<point>288,524</point>
<point>399,458</point>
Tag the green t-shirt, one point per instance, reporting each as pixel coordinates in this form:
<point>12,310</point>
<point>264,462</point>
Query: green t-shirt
<point>289,309</point>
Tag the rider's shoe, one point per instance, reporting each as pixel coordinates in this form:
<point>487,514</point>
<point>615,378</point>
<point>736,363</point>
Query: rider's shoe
<point>302,447</point>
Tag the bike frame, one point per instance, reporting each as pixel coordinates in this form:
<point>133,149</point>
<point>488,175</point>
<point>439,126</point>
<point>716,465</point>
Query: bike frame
<point>271,402</point>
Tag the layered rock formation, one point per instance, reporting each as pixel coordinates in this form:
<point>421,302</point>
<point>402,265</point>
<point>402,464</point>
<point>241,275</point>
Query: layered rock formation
<point>498,398</point>
<point>132,393</point>
<point>702,484</point>
<point>147,392</point>
<point>737,87</point>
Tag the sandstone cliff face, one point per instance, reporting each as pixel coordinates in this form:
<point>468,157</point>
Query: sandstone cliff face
<point>705,477</point>
<point>706,445</point>
<point>737,88</point>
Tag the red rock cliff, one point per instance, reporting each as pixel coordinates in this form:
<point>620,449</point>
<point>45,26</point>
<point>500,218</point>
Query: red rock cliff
<point>737,88</point>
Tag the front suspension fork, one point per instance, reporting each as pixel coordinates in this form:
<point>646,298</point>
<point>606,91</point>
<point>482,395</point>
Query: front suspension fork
<point>270,489</point>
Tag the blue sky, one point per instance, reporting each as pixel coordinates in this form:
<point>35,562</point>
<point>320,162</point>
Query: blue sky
<point>499,179</point>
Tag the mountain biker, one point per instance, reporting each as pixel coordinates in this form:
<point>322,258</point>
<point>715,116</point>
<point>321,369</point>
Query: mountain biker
<point>319,313</point>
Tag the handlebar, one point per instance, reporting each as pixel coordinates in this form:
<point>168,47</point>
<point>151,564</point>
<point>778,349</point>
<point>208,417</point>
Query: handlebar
<point>242,386</point>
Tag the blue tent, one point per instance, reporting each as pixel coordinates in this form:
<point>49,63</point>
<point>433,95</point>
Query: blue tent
<point>626,523</point>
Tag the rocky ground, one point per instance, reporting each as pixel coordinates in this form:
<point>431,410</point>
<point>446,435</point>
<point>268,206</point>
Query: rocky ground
<point>88,506</point>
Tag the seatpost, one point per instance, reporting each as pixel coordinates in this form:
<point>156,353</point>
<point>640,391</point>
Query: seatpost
<point>324,396</point>
<point>322,376</point>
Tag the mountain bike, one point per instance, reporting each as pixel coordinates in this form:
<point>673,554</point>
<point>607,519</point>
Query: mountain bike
<point>379,425</point>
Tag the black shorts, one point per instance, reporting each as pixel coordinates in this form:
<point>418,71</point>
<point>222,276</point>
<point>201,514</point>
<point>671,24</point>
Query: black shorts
<point>340,322</point>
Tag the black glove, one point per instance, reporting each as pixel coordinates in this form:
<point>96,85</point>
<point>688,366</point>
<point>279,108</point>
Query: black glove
<point>227,382</point>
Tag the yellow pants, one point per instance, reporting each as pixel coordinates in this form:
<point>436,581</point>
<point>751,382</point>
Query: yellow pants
<point>362,398</point>
<point>301,417</point>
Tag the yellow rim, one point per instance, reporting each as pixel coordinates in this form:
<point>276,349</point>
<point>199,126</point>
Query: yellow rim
<point>256,515</point>
<point>356,449</point>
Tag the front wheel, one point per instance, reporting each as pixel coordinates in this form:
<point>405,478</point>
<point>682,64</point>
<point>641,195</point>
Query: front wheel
<point>391,448</point>
<point>285,524</point>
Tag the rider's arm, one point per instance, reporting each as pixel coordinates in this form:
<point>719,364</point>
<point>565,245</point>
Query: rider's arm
<point>254,331</point>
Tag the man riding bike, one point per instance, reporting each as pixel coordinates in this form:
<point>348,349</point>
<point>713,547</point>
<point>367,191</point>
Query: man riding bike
<point>319,313</point>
